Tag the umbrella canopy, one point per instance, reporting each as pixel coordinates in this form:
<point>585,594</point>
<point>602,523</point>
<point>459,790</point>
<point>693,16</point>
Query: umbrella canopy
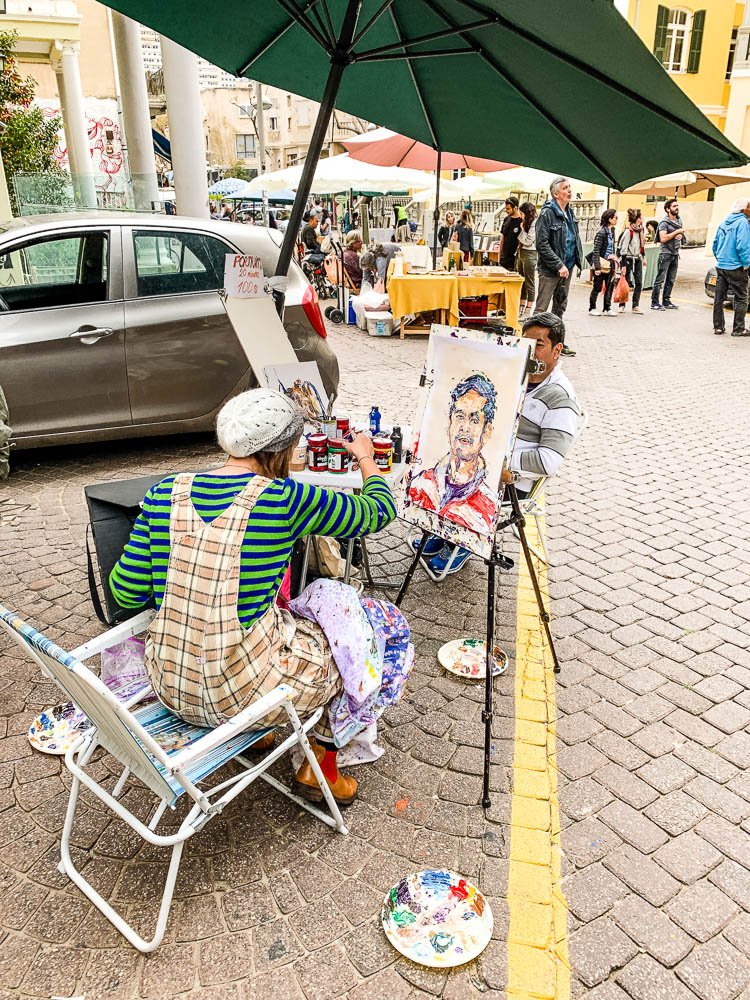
<point>226,187</point>
<point>342,173</point>
<point>685,183</point>
<point>280,196</point>
<point>573,81</point>
<point>498,185</point>
<point>389,149</point>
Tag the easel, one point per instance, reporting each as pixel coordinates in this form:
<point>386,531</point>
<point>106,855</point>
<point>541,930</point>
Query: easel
<point>496,559</point>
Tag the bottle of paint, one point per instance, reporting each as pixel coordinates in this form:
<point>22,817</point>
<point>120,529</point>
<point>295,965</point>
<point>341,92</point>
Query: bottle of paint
<point>317,452</point>
<point>398,444</point>
<point>383,453</point>
<point>338,456</point>
<point>374,420</point>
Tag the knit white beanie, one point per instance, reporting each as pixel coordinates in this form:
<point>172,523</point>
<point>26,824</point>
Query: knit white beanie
<point>258,420</point>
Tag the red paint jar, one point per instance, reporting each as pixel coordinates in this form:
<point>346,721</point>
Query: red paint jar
<point>383,448</point>
<point>342,426</point>
<point>317,452</point>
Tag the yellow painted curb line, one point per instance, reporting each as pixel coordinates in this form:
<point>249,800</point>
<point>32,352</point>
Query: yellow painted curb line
<point>538,964</point>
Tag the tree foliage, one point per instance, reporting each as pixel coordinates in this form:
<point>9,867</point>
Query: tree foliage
<point>27,138</point>
<point>240,170</point>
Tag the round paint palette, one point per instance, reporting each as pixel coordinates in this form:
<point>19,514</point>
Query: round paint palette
<point>437,918</point>
<point>468,658</point>
<point>55,730</point>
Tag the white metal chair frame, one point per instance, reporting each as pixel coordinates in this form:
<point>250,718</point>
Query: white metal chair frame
<point>118,730</point>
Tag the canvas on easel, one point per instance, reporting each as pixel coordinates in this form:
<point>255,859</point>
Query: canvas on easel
<point>473,390</point>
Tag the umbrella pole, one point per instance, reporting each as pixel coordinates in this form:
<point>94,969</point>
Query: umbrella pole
<point>436,213</point>
<point>339,63</point>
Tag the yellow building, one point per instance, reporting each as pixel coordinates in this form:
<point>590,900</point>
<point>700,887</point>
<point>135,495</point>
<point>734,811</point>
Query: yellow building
<point>696,45</point>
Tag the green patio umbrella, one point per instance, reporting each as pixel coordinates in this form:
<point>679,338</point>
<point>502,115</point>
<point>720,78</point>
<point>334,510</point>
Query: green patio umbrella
<point>563,85</point>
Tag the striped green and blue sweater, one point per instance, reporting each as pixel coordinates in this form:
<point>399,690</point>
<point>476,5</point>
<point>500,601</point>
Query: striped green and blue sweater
<point>285,511</point>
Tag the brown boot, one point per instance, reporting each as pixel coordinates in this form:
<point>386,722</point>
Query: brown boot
<point>344,790</point>
<point>263,744</point>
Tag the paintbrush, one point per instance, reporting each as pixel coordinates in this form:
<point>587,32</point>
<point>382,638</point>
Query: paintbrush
<point>330,406</point>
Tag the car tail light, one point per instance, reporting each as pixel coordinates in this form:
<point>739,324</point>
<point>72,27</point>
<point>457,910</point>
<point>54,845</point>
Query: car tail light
<point>312,310</point>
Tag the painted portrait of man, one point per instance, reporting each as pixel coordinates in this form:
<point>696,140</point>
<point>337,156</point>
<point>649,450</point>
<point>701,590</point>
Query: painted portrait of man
<point>457,487</point>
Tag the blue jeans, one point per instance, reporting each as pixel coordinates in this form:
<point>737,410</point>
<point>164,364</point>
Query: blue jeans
<point>665,274</point>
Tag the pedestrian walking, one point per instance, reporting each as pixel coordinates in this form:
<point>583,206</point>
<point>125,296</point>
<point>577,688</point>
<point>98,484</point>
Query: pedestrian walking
<point>671,236</point>
<point>446,230</point>
<point>527,256</point>
<point>401,224</point>
<point>731,249</point>
<point>558,245</point>
<point>604,263</point>
<point>509,233</point>
<point>631,250</point>
<point>465,234</point>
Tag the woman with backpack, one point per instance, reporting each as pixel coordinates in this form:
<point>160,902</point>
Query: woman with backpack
<point>603,263</point>
<point>632,251</point>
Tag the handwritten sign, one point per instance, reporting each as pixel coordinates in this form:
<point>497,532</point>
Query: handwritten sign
<point>243,276</point>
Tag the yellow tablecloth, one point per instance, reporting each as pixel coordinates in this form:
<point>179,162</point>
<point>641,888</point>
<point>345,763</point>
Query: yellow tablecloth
<point>412,293</point>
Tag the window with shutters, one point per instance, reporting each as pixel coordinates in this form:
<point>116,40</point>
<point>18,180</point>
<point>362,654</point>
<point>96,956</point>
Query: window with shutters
<point>732,50</point>
<point>676,45</point>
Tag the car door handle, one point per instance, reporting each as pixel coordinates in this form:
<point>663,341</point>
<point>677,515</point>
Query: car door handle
<point>91,334</point>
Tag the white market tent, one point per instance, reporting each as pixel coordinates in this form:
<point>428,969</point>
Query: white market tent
<point>342,173</point>
<point>502,182</point>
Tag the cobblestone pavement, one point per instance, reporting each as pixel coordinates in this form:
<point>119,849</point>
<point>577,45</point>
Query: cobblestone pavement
<point>650,593</point>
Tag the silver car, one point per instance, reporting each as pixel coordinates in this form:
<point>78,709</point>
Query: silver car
<point>111,325</point>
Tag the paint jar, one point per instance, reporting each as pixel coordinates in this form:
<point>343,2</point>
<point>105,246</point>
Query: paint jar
<point>383,448</point>
<point>338,456</point>
<point>317,452</point>
<point>328,427</point>
<point>342,426</point>
<point>299,456</point>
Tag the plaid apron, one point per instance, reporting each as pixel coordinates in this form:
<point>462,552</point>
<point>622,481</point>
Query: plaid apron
<point>202,663</point>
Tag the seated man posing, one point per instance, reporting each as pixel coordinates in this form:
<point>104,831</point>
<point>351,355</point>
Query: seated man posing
<point>546,431</point>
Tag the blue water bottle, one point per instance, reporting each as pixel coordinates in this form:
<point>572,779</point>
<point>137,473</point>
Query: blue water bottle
<point>374,420</point>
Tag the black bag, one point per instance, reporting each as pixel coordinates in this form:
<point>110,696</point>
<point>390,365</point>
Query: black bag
<point>113,509</point>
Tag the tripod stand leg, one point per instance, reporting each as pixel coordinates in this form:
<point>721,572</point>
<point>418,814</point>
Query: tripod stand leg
<point>543,613</point>
<point>412,568</point>
<point>490,663</point>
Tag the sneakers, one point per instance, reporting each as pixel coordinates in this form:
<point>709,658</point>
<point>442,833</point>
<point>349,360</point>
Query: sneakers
<point>622,308</point>
<point>607,312</point>
<point>657,306</point>
<point>719,332</point>
<point>433,546</point>
<point>670,305</point>
<point>438,563</point>
<point>637,310</point>
<point>568,352</point>
<point>740,333</point>
<point>594,312</point>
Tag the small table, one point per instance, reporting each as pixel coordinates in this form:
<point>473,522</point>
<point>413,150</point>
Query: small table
<point>349,481</point>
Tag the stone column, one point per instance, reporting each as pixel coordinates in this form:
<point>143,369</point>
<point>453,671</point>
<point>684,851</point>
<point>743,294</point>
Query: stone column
<point>135,113</point>
<point>75,122</point>
<point>185,128</point>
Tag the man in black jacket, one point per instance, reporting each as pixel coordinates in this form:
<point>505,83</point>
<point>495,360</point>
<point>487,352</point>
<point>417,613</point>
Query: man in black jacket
<point>558,245</point>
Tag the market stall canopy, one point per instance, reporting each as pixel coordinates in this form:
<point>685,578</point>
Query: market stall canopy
<point>685,183</point>
<point>459,190</point>
<point>284,196</point>
<point>388,148</point>
<point>565,85</point>
<point>227,187</point>
<point>342,173</point>
<point>500,184</point>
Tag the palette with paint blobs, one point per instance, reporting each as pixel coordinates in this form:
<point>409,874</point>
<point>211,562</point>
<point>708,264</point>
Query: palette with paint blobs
<point>437,918</point>
<point>467,658</point>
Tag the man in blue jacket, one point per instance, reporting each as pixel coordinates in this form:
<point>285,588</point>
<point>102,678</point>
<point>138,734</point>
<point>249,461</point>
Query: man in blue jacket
<point>732,252</point>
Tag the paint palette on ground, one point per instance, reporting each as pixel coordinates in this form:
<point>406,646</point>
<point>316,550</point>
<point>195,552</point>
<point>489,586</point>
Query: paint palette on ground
<point>468,657</point>
<point>437,918</point>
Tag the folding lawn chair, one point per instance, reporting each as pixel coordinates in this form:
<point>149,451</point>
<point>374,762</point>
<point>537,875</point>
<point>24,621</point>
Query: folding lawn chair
<point>171,757</point>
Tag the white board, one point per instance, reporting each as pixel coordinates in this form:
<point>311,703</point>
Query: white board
<point>260,332</point>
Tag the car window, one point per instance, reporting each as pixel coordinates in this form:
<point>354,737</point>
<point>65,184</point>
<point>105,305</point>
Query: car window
<point>55,271</point>
<point>168,262</point>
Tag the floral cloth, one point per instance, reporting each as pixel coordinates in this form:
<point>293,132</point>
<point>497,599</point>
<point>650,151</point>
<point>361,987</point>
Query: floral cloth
<point>369,640</point>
